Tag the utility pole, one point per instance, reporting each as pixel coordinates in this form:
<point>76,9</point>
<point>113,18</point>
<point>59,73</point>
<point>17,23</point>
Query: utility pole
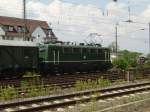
<point>116,37</point>
<point>24,9</point>
<point>149,37</point>
<point>24,19</point>
<point>129,11</point>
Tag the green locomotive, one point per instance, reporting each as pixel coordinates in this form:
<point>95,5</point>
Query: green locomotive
<point>69,58</point>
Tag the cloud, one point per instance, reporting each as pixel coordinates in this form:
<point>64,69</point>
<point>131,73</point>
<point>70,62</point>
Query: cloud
<point>74,22</point>
<point>139,2</point>
<point>11,8</point>
<point>116,7</point>
<point>146,13</point>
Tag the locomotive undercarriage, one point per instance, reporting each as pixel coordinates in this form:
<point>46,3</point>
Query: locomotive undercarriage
<point>73,67</point>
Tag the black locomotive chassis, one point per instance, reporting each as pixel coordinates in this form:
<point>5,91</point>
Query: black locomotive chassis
<point>72,67</point>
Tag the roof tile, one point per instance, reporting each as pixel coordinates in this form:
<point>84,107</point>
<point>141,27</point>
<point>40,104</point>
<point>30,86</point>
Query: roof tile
<point>31,24</point>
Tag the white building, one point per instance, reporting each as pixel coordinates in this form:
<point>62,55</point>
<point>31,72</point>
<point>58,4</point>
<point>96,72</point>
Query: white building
<point>30,30</point>
<point>2,33</point>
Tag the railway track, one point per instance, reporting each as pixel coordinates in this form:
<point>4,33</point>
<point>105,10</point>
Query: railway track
<point>62,82</point>
<point>62,79</point>
<point>54,102</point>
<point>56,82</point>
<point>49,80</point>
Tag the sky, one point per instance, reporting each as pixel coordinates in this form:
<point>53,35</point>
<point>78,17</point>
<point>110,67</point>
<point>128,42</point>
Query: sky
<point>75,20</point>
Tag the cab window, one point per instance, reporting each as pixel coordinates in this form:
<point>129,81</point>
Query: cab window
<point>84,50</point>
<point>76,50</point>
<point>67,50</point>
<point>93,51</point>
<point>100,51</point>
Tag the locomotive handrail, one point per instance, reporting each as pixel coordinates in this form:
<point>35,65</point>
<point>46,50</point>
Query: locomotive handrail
<point>58,57</point>
<point>54,57</point>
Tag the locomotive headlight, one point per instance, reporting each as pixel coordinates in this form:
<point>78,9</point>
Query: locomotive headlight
<point>84,57</point>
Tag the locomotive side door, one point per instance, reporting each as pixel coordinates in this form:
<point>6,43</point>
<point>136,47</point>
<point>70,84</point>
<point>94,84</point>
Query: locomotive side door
<point>27,57</point>
<point>56,56</point>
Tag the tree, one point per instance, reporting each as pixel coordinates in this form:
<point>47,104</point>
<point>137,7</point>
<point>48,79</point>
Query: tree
<point>126,59</point>
<point>148,56</point>
<point>148,59</point>
<point>120,63</point>
<point>130,57</point>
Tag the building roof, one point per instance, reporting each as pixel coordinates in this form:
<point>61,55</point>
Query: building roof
<point>31,24</point>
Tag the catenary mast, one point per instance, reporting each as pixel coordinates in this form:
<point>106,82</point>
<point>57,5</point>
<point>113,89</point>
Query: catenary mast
<point>24,19</point>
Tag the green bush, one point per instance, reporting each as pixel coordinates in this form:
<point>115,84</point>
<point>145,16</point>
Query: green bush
<point>120,63</point>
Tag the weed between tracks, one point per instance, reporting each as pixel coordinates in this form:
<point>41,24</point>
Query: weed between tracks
<point>36,87</point>
<point>92,84</point>
<point>8,93</point>
<point>27,89</point>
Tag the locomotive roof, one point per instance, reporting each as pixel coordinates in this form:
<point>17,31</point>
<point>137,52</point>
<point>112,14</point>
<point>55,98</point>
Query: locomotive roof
<point>75,46</point>
<point>17,43</point>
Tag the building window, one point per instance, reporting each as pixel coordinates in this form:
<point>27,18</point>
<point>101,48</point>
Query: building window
<point>11,38</point>
<point>28,39</point>
<point>11,28</point>
<point>24,29</point>
<point>19,29</point>
<point>6,27</point>
<point>3,37</point>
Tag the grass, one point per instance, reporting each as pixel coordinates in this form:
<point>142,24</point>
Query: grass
<point>8,93</point>
<point>92,84</point>
<point>29,88</point>
<point>35,87</point>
